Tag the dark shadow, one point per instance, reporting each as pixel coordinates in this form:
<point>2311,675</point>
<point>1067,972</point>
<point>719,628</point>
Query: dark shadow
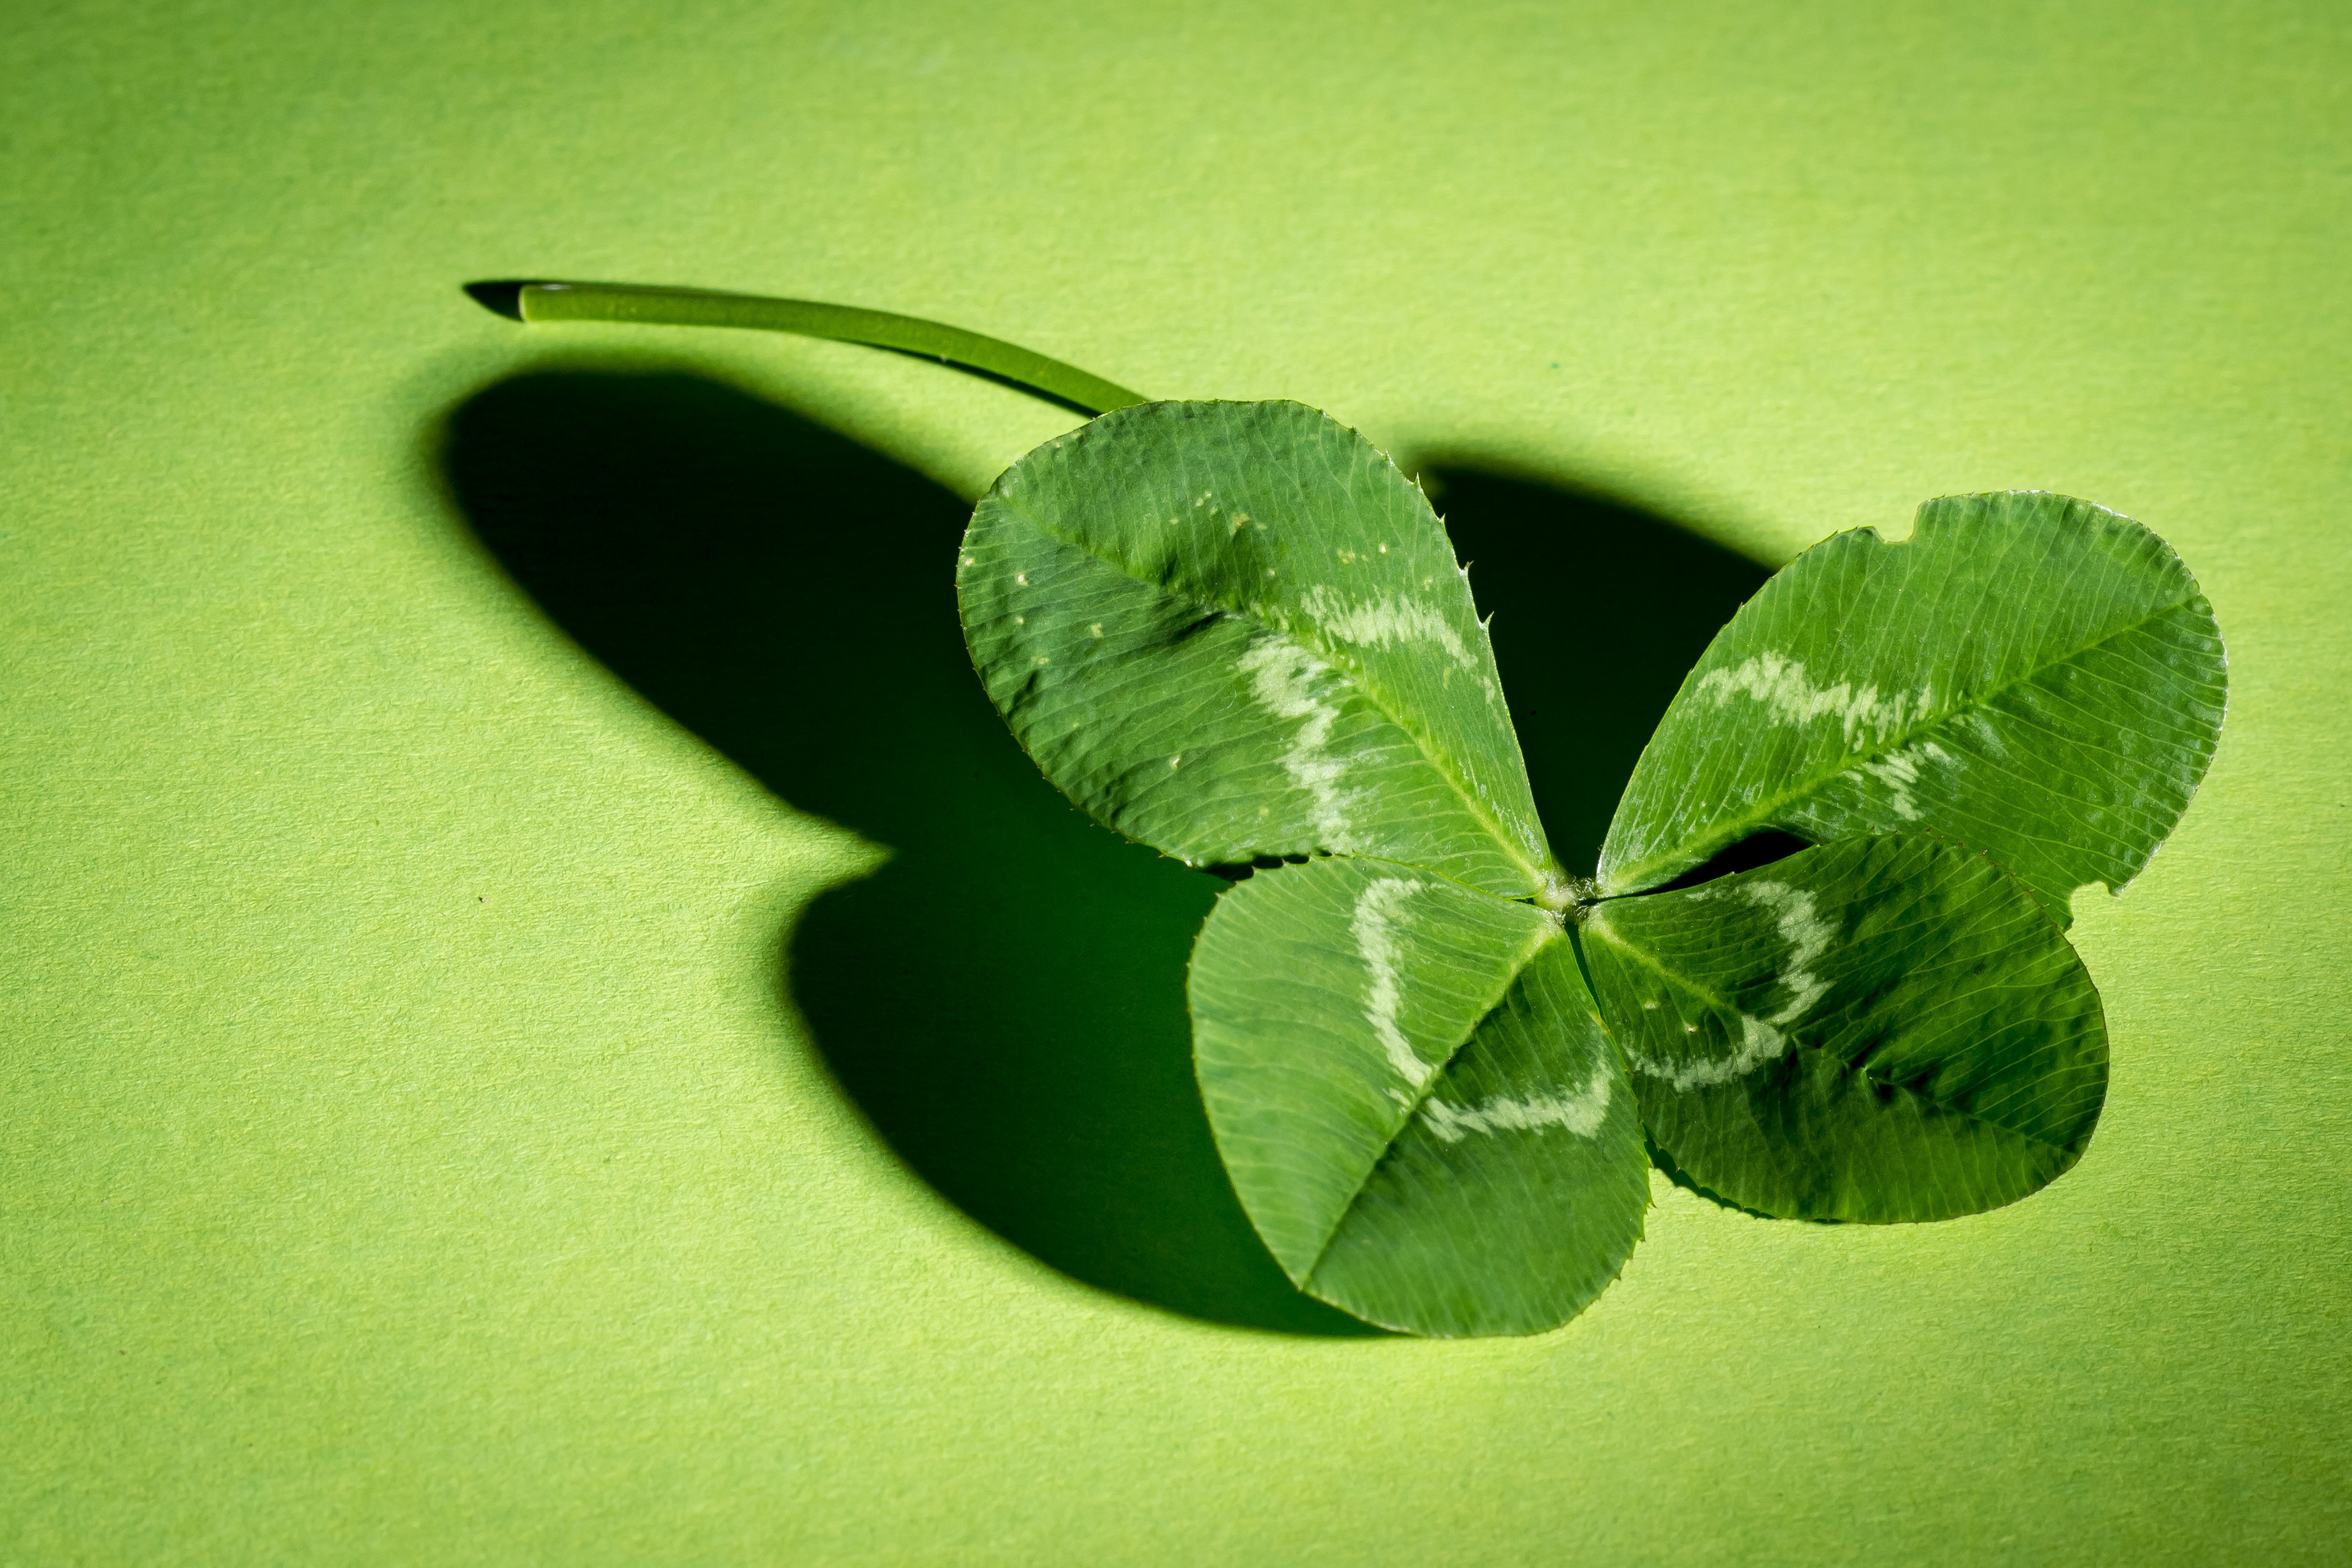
<point>1752,852</point>
<point>1004,999</point>
<point>499,297</point>
<point>1600,609</point>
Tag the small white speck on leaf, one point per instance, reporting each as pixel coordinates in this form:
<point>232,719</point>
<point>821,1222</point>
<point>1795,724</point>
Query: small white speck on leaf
<point>1022,578</point>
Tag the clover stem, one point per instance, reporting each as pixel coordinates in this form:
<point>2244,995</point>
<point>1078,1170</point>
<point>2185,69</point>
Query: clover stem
<point>550,301</point>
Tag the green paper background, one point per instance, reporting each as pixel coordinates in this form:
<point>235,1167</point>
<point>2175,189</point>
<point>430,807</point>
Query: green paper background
<point>407,1149</point>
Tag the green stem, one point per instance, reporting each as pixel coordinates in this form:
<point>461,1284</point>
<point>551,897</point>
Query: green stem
<point>845,324</point>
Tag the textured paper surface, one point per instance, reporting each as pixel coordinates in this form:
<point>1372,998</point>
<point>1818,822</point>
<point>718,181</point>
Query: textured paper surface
<point>409,1151</point>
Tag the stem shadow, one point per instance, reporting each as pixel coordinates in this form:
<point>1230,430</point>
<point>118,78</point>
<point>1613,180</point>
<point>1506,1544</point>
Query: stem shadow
<point>1003,999</point>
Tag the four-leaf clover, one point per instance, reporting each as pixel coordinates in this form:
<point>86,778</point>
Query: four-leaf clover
<point>1431,1057</point>
<point>1439,1068</point>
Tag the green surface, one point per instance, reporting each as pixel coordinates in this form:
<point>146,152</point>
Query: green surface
<point>413,1149</point>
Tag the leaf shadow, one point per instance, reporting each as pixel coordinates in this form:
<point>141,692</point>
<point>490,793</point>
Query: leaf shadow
<point>1004,998</point>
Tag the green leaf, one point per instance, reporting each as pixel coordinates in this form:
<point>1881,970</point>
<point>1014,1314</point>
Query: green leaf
<point>1236,632</point>
<point>1879,1030</point>
<point>2034,675</point>
<point>1412,1093</point>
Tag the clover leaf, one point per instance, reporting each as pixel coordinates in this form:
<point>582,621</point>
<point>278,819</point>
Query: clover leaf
<point>1437,1066</point>
<point>1412,1091</point>
<point>1882,1028</point>
<point>1234,631</point>
<point>2034,675</point>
